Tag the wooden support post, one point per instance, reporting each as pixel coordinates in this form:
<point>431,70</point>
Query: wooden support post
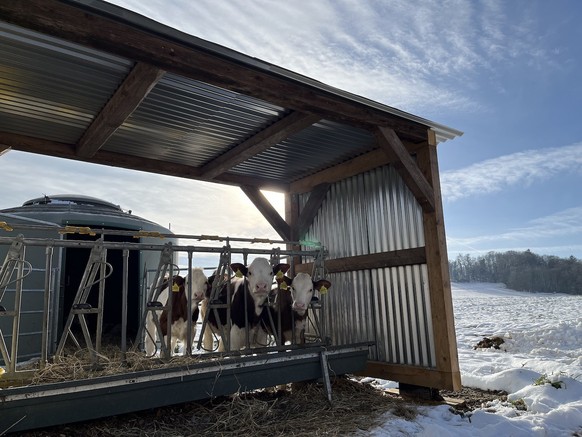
<point>447,360</point>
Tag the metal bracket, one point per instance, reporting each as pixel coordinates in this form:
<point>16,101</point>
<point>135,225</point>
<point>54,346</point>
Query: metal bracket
<point>325,374</point>
<point>95,274</point>
<point>165,268</point>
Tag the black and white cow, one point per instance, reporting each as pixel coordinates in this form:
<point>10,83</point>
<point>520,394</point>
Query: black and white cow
<point>258,278</point>
<point>291,304</point>
<point>179,327</point>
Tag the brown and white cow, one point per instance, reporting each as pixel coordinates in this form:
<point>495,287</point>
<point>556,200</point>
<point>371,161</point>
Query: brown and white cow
<point>291,304</point>
<point>179,326</point>
<point>252,285</point>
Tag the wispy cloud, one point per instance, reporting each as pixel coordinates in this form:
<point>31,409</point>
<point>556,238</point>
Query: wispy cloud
<point>414,57</point>
<point>564,226</point>
<point>563,223</point>
<point>522,168</point>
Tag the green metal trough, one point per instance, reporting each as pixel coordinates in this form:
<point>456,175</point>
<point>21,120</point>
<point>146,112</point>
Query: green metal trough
<point>39,406</point>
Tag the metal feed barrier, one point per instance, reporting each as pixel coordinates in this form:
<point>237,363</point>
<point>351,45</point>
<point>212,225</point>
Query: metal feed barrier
<point>27,407</point>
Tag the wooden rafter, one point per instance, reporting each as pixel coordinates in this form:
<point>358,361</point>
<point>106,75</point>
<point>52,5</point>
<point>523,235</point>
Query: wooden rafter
<point>366,162</point>
<point>362,163</point>
<point>270,213</point>
<point>68,151</point>
<point>136,86</point>
<point>403,163</point>
<point>258,143</point>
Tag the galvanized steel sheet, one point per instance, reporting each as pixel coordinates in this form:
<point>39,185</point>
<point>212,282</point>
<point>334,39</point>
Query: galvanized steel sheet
<point>81,81</point>
<point>370,213</point>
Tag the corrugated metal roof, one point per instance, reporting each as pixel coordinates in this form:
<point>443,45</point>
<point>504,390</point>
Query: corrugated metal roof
<point>322,145</point>
<point>190,122</point>
<point>51,88</point>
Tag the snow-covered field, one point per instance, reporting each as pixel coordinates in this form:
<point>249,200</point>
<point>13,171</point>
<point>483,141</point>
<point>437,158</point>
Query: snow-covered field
<point>543,345</point>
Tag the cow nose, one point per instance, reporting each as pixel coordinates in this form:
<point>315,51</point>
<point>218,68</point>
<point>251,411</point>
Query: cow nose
<point>299,305</point>
<point>261,286</point>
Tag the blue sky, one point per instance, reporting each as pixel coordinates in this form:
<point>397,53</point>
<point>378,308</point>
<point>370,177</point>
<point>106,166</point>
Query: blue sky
<point>506,73</point>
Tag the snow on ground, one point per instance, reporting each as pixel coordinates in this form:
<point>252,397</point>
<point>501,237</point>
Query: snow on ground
<point>540,364</point>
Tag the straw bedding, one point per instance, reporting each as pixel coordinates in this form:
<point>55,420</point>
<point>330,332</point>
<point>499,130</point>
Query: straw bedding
<point>301,410</point>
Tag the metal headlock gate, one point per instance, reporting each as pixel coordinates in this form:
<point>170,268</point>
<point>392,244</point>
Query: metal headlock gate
<point>24,406</point>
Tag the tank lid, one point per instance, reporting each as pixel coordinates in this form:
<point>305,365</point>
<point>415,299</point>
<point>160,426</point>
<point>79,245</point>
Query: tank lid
<point>71,199</point>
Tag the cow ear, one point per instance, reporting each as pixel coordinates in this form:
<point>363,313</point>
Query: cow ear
<point>284,280</point>
<point>322,285</point>
<point>239,269</point>
<point>283,268</point>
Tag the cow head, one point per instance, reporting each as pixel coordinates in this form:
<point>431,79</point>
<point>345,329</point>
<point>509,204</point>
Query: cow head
<point>199,283</point>
<point>259,274</point>
<point>302,288</point>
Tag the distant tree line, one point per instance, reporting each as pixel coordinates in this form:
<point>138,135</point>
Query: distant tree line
<point>522,271</point>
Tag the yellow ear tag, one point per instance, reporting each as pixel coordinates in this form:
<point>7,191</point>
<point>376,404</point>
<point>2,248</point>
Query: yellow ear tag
<point>283,286</point>
<point>323,289</point>
<point>238,274</point>
<point>279,274</point>
<point>175,288</point>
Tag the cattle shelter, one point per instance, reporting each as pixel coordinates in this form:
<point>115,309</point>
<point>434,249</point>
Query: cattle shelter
<point>89,81</point>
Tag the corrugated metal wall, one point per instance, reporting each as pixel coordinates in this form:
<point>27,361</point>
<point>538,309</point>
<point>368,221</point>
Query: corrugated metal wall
<point>370,213</point>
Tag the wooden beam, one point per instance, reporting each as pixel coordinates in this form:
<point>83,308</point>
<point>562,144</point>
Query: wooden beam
<point>68,151</point>
<point>366,162</point>
<point>252,181</point>
<point>409,374</point>
<point>270,213</point>
<point>395,258</point>
<point>441,301</point>
<point>291,217</point>
<point>268,137</point>
<point>197,59</point>
<point>310,210</point>
<point>362,163</point>
<point>136,86</point>
<point>292,214</point>
<point>388,141</point>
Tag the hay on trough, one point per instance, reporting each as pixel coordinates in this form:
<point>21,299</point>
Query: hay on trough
<point>77,364</point>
